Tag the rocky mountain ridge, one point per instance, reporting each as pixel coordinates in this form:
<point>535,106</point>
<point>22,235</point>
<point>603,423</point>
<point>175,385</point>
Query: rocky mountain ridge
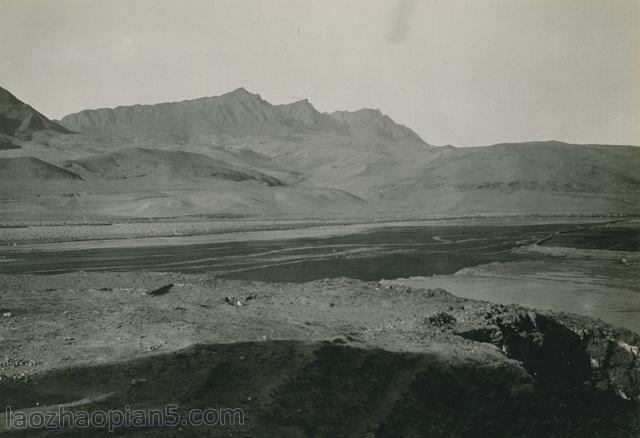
<point>235,115</point>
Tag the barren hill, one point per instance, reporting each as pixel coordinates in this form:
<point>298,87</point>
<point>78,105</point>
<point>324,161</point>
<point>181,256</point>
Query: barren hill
<point>168,165</point>
<point>28,170</point>
<point>549,165</point>
<point>533,177</point>
<point>19,120</point>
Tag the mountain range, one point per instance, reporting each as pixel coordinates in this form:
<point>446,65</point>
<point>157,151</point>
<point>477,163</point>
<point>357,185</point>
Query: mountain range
<point>239,154</point>
<point>236,114</point>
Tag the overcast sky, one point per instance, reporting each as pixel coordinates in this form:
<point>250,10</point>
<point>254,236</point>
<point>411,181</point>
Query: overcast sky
<point>459,72</point>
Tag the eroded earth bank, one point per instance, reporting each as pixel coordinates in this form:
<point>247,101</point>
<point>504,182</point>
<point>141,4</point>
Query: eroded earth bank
<point>334,357</point>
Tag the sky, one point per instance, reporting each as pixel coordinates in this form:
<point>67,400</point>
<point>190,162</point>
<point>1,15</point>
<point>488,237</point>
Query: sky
<point>461,72</point>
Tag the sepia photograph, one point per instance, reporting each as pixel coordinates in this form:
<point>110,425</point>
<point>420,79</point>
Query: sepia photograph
<point>320,218</point>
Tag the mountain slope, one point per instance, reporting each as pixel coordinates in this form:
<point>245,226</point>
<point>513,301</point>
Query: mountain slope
<point>306,118</point>
<point>552,166</point>
<point>136,163</point>
<point>237,114</point>
<point>168,177</point>
<point>372,125</point>
<point>17,119</point>
<point>527,178</point>
<point>19,172</point>
<point>234,153</point>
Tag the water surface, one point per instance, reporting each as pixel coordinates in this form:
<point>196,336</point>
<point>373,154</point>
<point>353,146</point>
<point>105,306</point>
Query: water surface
<point>389,252</point>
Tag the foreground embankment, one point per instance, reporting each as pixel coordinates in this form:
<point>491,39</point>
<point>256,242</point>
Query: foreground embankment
<point>326,358</point>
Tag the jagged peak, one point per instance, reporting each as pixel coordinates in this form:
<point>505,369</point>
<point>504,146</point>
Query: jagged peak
<point>242,92</point>
<point>299,104</point>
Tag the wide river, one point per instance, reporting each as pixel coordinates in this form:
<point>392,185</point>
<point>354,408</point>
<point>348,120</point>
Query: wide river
<point>382,253</point>
<point>379,253</point>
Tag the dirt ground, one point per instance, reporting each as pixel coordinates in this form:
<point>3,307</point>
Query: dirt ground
<point>327,358</point>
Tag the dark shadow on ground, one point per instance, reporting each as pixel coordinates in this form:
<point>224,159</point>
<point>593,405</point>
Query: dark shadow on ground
<point>291,388</point>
